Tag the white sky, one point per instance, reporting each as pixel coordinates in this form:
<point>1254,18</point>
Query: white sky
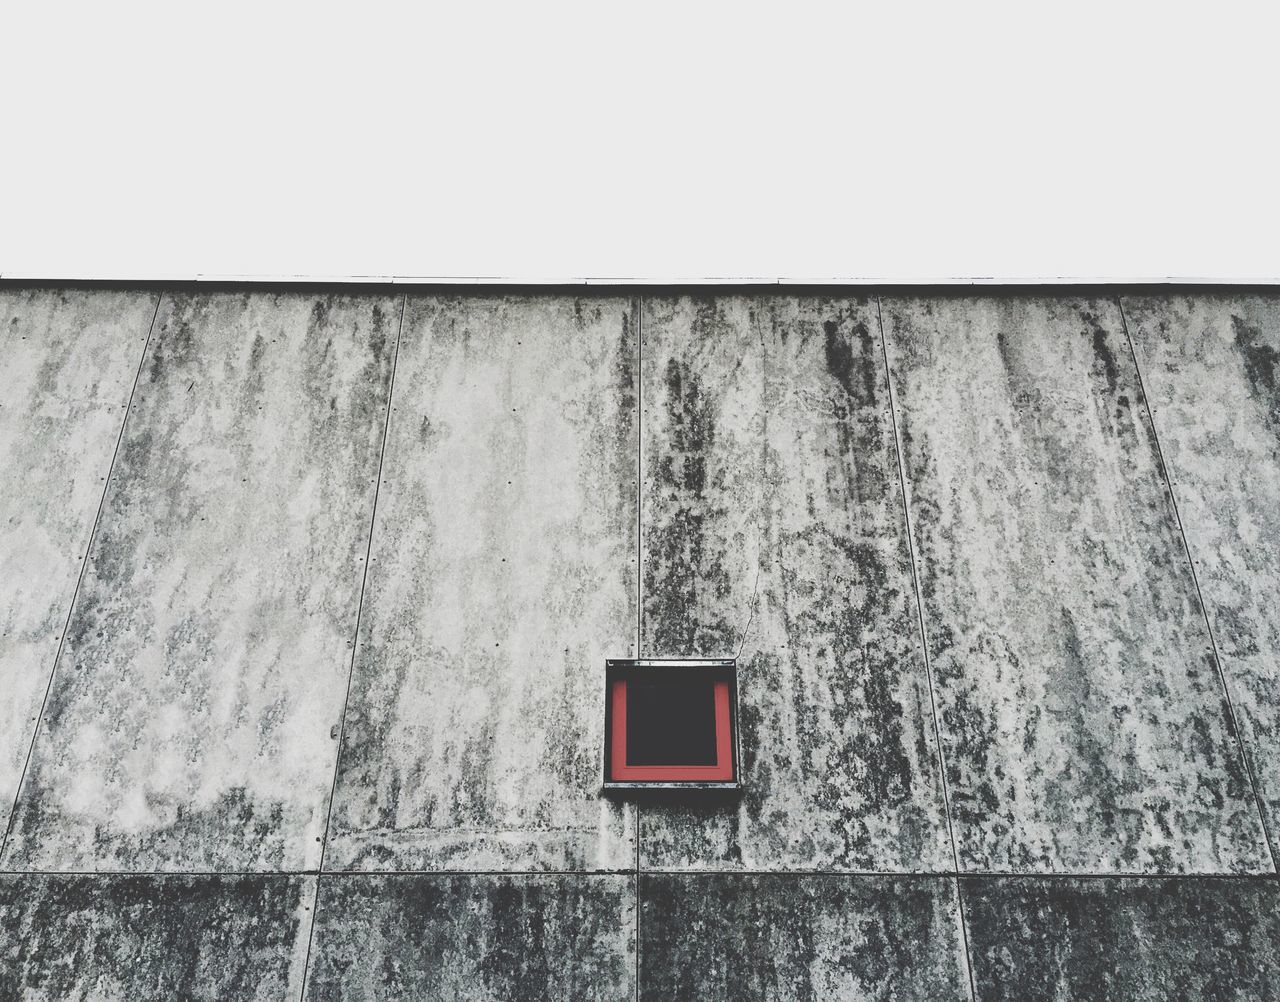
<point>904,141</point>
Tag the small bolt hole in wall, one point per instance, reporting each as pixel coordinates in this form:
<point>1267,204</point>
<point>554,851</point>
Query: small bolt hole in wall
<point>671,724</point>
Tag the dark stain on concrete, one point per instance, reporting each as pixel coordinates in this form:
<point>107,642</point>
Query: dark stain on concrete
<point>1260,360</point>
<point>840,358</point>
<point>624,391</point>
<point>1140,939</point>
<point>1102,350</point>
<point>678,563</point>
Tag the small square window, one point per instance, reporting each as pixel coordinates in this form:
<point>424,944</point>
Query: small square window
<point>671,725</point>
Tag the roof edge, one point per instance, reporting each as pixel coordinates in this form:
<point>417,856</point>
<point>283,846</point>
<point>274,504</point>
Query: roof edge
<point>599,287</point>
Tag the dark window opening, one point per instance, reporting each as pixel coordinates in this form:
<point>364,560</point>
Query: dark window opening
<point>671,722</point>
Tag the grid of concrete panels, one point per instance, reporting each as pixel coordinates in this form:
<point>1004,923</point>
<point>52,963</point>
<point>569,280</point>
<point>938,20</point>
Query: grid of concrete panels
<point>307,593</point>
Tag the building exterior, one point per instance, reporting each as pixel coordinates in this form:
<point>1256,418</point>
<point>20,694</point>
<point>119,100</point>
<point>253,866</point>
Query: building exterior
<point>307,595</point>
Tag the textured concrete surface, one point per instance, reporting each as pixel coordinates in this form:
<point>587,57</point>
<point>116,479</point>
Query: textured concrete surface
<point>773,523</point>
<point>475,938</point>
<point>800,938</point>
<point>122,938</point>
<point>231,661</point>
<point>1083,718</point>
<point>69,361</point>
<point>1210,365</point>
<point>188,726</point>
<point>1142,940</point>
<point>503,575</point>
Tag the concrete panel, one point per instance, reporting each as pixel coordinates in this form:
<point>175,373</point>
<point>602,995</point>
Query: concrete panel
<point>1084,724</point>
<point>1137,939</point>
<point>474,938</point>
<point>773,522</point>
<point>1211,365</point>
<point>69,360</point>
<point>503,575</point>
<point>122,938</point>
<point>209,650</point>
<point>737,937</point>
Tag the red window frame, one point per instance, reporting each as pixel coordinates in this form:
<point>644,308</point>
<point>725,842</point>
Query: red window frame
<point>621,772</point>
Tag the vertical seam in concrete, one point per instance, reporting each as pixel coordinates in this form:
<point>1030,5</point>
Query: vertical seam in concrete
<point>639,308</point>
<point>1195,579</point>
<point>84,564</point>
<point>355,643</point>
<point>638,305</point>
<point>924,645</point>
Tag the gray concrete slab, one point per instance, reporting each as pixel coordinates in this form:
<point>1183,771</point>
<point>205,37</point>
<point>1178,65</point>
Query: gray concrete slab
<point>478,938</point>
<point>1083,719</point>
<point>1211,366</point>
<point>188,726</point>
<point>69,360</point>
<point>503,575</point>
<point>739,937</point>
<point>773,523</point>
<point>1200,939</point>
<point>113,938</point>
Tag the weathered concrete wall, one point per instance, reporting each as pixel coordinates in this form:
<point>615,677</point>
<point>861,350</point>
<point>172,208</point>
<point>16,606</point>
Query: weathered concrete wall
<point>1144,939</point>
<point>94,938</point>
<point>68,364</point>
<point>485,937</point>
<point>225,573</point>
<point>1082,716</point>
<point>721,936</point>
<point>326,720</point>
<point>772,523</point>
<point>1211,366</point>
<point>502,576</point>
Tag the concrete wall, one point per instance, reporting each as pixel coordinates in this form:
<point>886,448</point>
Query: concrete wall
<point>306,596</point>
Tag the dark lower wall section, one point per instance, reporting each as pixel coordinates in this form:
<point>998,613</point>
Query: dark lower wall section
<point>483,938</point>
<point>801,938</point>
<point>1141,939</point>
<point>729,937</point>
<point>106,937</point>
